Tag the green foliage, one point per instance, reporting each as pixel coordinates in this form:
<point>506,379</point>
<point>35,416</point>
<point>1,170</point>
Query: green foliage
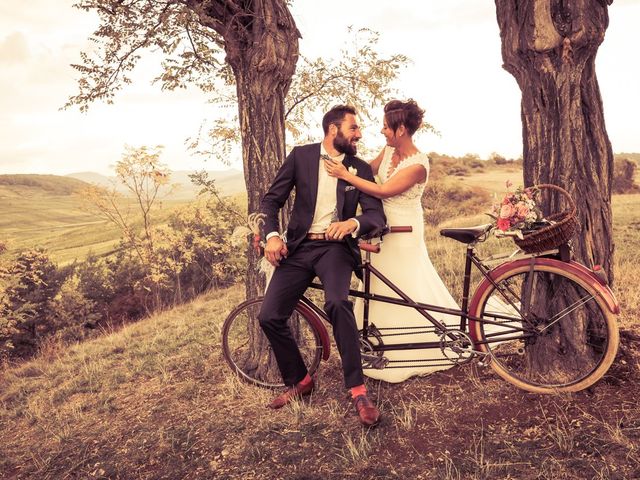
<point>163,258</point>
<point>71,310</point>
<point>358,76</point>
<point>28,285</point>
<point>115,286</point>
<point>127,30</point>
<point>196,253</point>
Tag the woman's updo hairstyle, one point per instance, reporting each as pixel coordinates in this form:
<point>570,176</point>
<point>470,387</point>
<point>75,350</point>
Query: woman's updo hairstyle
<point>408,113</point>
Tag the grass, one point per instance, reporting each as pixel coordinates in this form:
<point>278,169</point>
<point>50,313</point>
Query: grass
<point>48,211</point>
<point>62,224</point>
<point>154,400</point>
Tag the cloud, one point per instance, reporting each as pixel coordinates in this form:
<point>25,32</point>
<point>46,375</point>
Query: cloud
<point>14,48</point>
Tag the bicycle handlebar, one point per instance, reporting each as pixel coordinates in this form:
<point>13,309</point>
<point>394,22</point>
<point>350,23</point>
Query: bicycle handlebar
<point>375,248</point>
<point>401,229</point>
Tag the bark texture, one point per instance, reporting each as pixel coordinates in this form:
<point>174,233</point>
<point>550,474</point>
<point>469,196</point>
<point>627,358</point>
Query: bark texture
<point>550,46</point>
<point>261,43</point>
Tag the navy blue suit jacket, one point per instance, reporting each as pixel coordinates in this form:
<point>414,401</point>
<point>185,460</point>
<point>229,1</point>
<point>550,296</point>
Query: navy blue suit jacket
<point>300,170</point>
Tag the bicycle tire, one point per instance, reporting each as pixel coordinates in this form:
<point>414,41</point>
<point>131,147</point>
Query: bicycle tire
<point>247,350</point>
<point>578,346</point>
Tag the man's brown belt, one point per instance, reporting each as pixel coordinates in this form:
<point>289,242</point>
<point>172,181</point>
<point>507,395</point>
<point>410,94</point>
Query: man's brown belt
<point>321,236</point>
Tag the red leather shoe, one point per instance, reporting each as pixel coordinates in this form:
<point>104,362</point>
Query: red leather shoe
<point>291,394</point>
<point>367,411</point>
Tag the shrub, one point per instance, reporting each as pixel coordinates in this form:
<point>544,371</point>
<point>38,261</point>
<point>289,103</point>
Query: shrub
<point>443,201</point>
<point>458,171</point>
<point>498,159</point>
<point>29,283</point>
<point>196,251</point>
<point>624,171</point>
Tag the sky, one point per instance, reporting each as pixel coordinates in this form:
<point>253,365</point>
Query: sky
<point>455,75</point>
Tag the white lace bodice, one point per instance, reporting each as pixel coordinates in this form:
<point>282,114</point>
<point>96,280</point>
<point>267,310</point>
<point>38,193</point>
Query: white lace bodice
<point>409,199</point>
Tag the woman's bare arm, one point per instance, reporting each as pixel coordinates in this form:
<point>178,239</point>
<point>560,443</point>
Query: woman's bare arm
<point>403,180</point>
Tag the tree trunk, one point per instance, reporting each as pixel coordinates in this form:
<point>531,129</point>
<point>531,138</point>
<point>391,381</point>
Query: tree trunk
<point>261,43</point>
<point>261,114</point>
<point>549,46</point>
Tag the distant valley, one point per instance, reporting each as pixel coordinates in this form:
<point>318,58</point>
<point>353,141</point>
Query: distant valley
<point>49,211</point>
<point>229,182</point>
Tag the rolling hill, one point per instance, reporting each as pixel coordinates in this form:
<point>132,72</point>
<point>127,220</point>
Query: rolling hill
<point>229,182</point>
<point>49,211</point>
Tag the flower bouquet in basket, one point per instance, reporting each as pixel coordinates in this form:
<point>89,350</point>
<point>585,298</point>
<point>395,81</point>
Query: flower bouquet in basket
<point>519,216</point>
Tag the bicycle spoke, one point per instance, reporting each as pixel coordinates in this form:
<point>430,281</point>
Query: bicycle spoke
<point>567,342</point>
<point>567,311</point>
<point>248,352</point>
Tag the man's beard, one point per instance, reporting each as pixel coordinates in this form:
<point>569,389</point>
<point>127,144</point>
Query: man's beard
<point>341,144</point>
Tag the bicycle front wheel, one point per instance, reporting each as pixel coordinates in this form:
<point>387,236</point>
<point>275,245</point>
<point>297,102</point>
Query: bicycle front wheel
<point>247,350</point>
<point>545,329</point>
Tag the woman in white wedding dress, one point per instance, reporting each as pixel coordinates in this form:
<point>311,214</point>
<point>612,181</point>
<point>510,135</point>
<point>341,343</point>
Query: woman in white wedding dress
<point>403,171</point>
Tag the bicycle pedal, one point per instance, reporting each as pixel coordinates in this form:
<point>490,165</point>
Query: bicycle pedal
<point>380,363</point>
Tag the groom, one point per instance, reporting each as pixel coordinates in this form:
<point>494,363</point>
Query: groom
<point>320,240</point>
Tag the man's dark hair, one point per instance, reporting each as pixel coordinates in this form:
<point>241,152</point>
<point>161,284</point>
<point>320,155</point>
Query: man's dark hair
<point>336,116</point>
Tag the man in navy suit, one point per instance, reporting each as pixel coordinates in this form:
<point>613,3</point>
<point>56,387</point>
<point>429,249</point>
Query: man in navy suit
<point>320,241</point>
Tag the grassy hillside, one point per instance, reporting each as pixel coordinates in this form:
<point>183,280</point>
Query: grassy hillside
<point>45,210</point>
<point>155,400</point>
<point>16,185</point>
<point>48,211</point>
<point>228,182</point>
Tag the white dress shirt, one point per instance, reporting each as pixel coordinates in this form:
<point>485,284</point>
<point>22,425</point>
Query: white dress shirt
<point>326,200</point>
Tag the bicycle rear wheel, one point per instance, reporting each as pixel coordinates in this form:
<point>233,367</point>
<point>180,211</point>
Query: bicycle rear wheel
<point>247,350</point>
<point>567,337</point>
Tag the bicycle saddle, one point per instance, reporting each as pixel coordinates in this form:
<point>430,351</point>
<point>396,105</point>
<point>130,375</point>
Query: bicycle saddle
<point>467,234</point>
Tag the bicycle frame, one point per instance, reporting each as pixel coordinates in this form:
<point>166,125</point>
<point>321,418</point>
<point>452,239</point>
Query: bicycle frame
<point>471,259</point>
<point>504,262</point>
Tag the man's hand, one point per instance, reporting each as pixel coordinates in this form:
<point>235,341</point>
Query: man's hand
<point>338,230</point>
<point>275,250</point>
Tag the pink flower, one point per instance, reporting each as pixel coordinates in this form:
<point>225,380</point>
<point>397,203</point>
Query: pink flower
<point>504,224</point>
<point>507,211</point>
<point>522,210</point>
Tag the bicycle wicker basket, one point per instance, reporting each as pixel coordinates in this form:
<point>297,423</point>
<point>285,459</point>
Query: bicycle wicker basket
<point>565,224</point>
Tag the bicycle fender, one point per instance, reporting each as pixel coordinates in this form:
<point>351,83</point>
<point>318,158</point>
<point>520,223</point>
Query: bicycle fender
<point>317,324</point>
<point>572,267</point>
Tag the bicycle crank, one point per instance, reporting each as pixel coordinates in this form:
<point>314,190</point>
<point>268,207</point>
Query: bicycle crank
<point>457,347</point>
<point>370,357</point>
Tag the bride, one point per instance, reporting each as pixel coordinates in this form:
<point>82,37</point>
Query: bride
<point>403,171</point>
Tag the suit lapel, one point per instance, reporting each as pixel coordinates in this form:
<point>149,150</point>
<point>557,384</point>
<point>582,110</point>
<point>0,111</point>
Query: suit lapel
<point>313,163</point>
<point>340,189</point>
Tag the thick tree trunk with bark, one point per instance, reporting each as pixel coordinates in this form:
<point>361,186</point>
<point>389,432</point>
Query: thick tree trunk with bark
<point>549,46</point>
<point>261,43</point>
